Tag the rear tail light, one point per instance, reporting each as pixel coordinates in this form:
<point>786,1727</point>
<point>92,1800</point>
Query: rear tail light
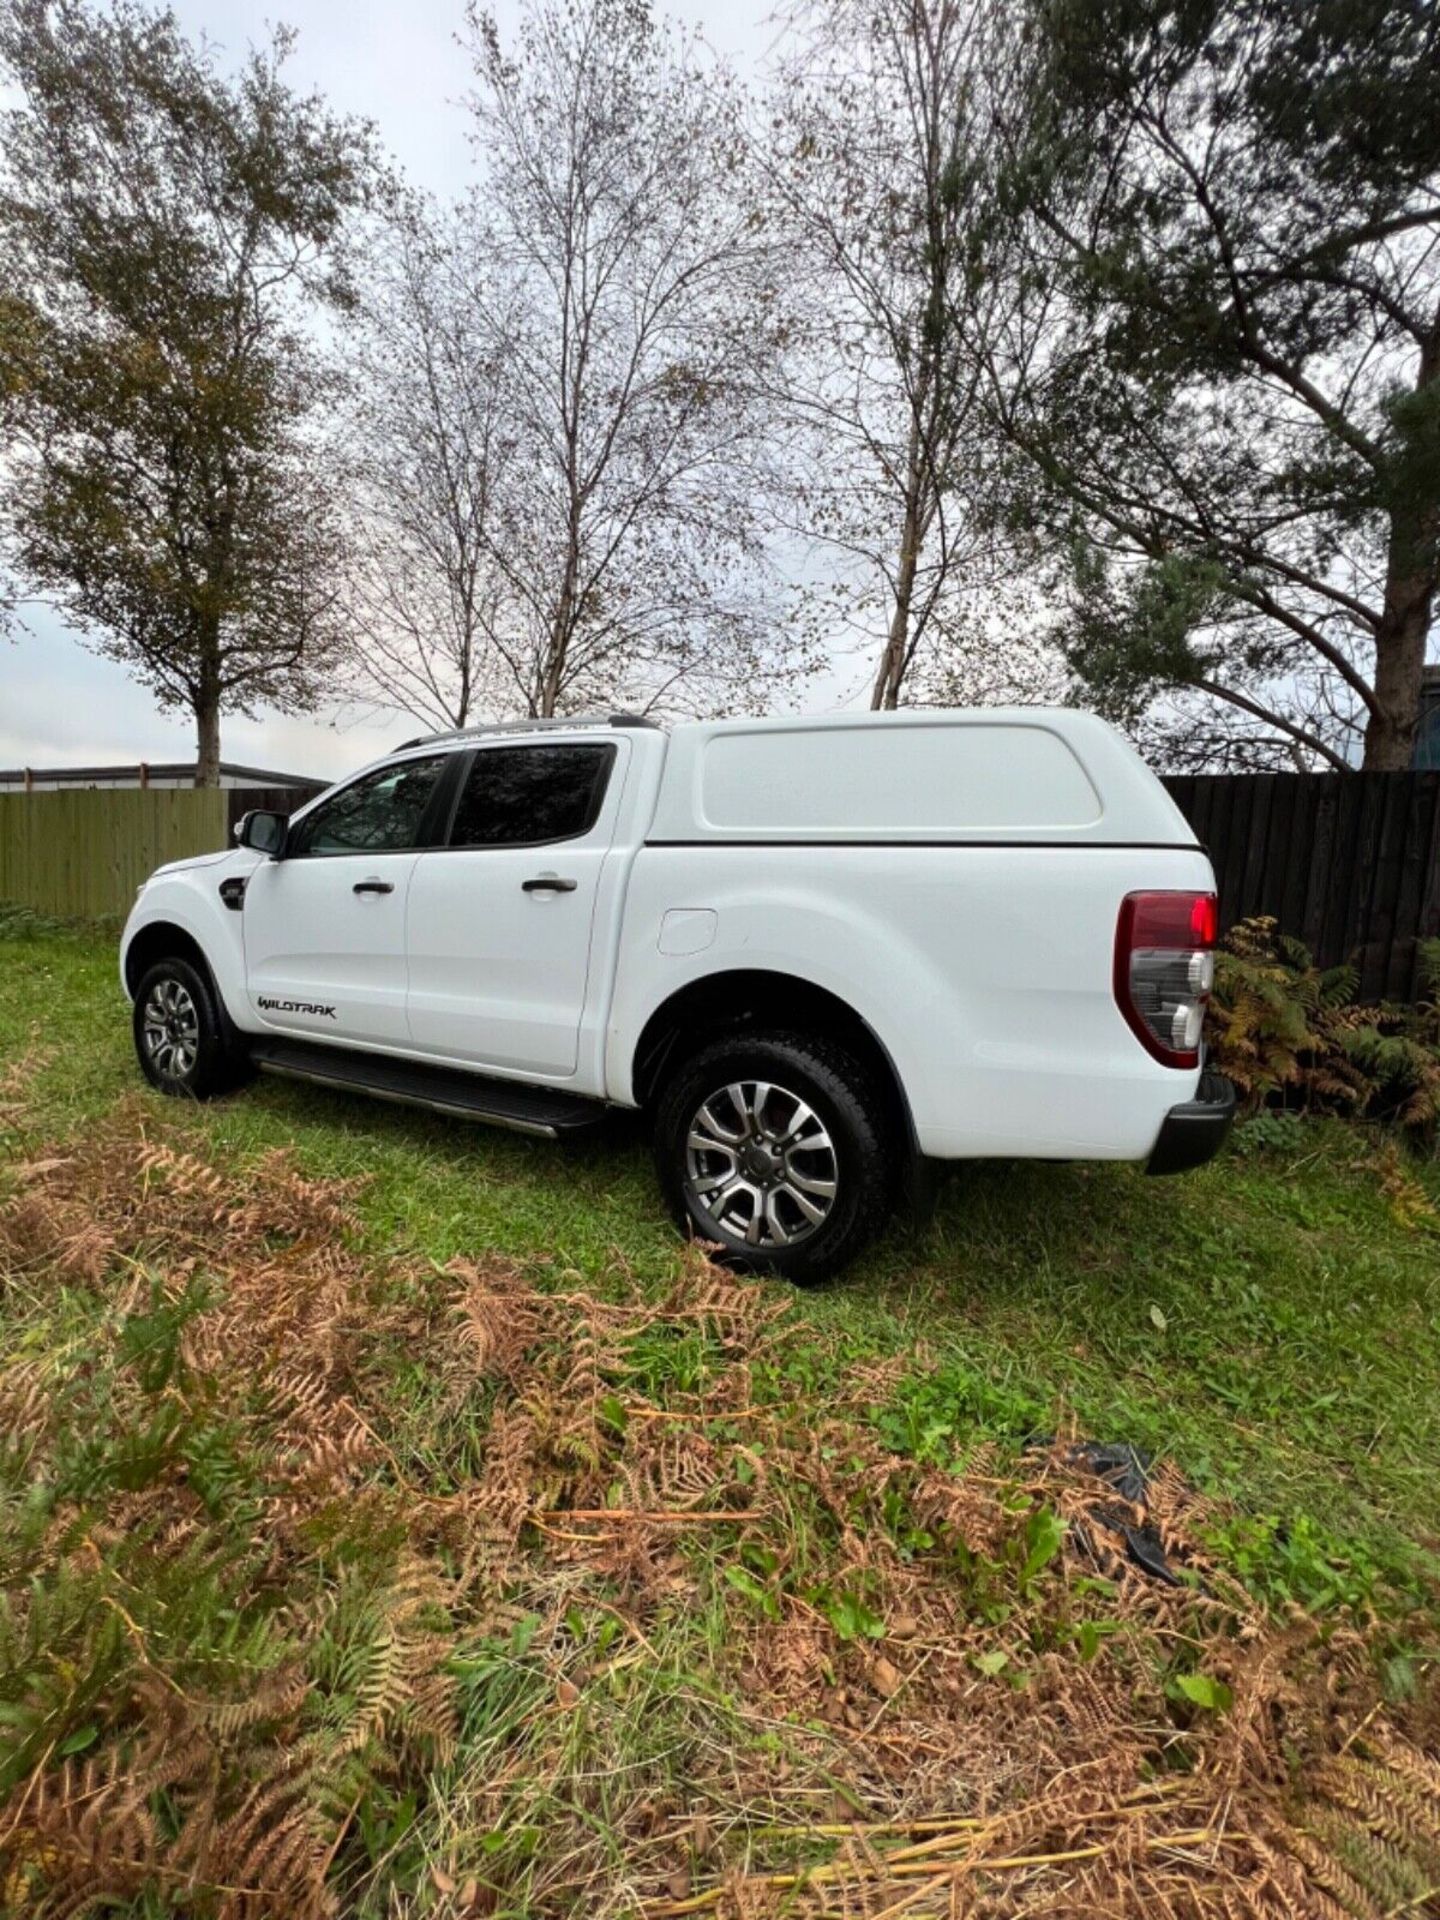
<point>1164,970</point>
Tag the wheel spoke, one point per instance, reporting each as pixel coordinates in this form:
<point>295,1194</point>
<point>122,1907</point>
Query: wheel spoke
<point>779,1231</point>
<point>715,1184</point>
<point>742,1106</point>
<point>806,1206</point>
<point>705,1122</point>
<point>822,1189</point>
<point>701,1142</point>
<point>806,1131</point>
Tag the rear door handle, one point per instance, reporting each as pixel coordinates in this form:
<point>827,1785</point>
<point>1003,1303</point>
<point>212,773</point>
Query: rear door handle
<point>548,883</point>
<point>372,886</point>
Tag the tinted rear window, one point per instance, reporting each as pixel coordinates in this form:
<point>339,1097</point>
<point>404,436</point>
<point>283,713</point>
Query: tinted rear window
<point>524,796</point>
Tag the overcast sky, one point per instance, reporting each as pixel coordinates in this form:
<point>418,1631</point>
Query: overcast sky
<point>399,66</point>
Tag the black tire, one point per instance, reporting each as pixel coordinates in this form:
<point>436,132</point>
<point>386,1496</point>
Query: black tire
<point>857,1161</point>
<point>184,1040</point>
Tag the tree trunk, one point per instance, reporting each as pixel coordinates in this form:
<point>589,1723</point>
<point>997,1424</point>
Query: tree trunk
<point>550,681</point>
<point>890,675</point>
<point>461,712</point>
<point>558,644</point>
<point>1399,665</point>
<point>207,742</point>
<point>207,737</point>
<point>895,659</point>
<point>1410,581</point>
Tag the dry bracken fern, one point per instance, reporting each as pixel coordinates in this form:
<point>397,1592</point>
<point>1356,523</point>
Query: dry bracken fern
<point>247,1466</point>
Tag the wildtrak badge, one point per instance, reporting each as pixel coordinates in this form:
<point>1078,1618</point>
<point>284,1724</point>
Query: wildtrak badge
<point>267,1005</point>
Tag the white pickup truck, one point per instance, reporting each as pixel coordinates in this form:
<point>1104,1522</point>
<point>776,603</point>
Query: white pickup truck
<point>818,953</point>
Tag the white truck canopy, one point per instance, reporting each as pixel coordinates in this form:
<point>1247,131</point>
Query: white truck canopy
<point>1007,774</point>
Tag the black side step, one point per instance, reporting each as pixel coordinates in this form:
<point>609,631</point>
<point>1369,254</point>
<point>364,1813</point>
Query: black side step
<point>464,1096</point>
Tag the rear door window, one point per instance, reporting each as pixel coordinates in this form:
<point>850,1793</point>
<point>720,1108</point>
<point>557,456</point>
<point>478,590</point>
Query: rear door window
<point>532,795</point>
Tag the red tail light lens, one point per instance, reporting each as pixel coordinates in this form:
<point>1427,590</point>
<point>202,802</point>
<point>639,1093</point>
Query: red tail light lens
<point>1164,970</point>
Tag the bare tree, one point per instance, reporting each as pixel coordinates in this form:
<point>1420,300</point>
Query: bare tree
<point>628,282</point>
<point>876,166</point>
<point>428,450</point>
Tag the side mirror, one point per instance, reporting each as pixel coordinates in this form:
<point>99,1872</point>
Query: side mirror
<point>263,832</point>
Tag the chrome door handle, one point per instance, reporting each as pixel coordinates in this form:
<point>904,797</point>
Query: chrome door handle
<point>548,883</point>
<point>372,886</point>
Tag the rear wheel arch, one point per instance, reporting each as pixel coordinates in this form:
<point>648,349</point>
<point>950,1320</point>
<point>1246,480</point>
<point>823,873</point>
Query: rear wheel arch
<point>738,999</point>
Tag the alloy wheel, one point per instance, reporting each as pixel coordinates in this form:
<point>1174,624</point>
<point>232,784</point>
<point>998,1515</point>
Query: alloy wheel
<point>171,1030</point>
<point>760,1165</point>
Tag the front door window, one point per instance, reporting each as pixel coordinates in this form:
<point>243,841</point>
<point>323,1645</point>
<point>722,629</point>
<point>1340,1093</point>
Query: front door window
<point>379,813</point>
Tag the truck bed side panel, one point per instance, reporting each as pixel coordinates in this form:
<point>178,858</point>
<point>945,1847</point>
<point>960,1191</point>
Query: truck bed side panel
<point>984,970</point>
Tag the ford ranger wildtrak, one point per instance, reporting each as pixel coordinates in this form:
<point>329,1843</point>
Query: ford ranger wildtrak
<point>819,954</point>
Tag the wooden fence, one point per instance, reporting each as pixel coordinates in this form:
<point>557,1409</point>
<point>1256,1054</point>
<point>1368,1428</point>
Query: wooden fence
<point>80,853</point>
<point>1347,862</point>
<point>273,799</point>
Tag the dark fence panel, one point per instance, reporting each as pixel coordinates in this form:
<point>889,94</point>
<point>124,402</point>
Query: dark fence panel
<point>271,799</point>
<point>1348,863</point>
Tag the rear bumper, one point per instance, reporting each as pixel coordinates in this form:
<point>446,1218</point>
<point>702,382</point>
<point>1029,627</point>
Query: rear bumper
<point>1195,1131</point>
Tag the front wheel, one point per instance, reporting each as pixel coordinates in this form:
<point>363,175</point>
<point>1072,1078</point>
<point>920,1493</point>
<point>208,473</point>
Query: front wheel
<point>773,1147</point>
<point>185,1045</point>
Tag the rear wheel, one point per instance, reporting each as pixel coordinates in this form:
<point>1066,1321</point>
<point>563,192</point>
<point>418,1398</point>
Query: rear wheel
<point>185,1045</point>
<point>773,1147</point>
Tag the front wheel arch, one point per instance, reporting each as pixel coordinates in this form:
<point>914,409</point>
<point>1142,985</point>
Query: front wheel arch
<point>163,940</point>
<point>220,1059</point>
<point>168,940</point>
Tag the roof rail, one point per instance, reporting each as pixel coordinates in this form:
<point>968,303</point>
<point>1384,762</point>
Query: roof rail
<point>530,726</point>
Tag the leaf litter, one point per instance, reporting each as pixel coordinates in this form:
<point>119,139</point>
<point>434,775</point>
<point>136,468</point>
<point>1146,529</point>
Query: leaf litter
<point>336,1583</point>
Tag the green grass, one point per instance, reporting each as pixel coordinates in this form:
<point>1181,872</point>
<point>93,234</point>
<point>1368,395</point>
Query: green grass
<point>1270,1324</point>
